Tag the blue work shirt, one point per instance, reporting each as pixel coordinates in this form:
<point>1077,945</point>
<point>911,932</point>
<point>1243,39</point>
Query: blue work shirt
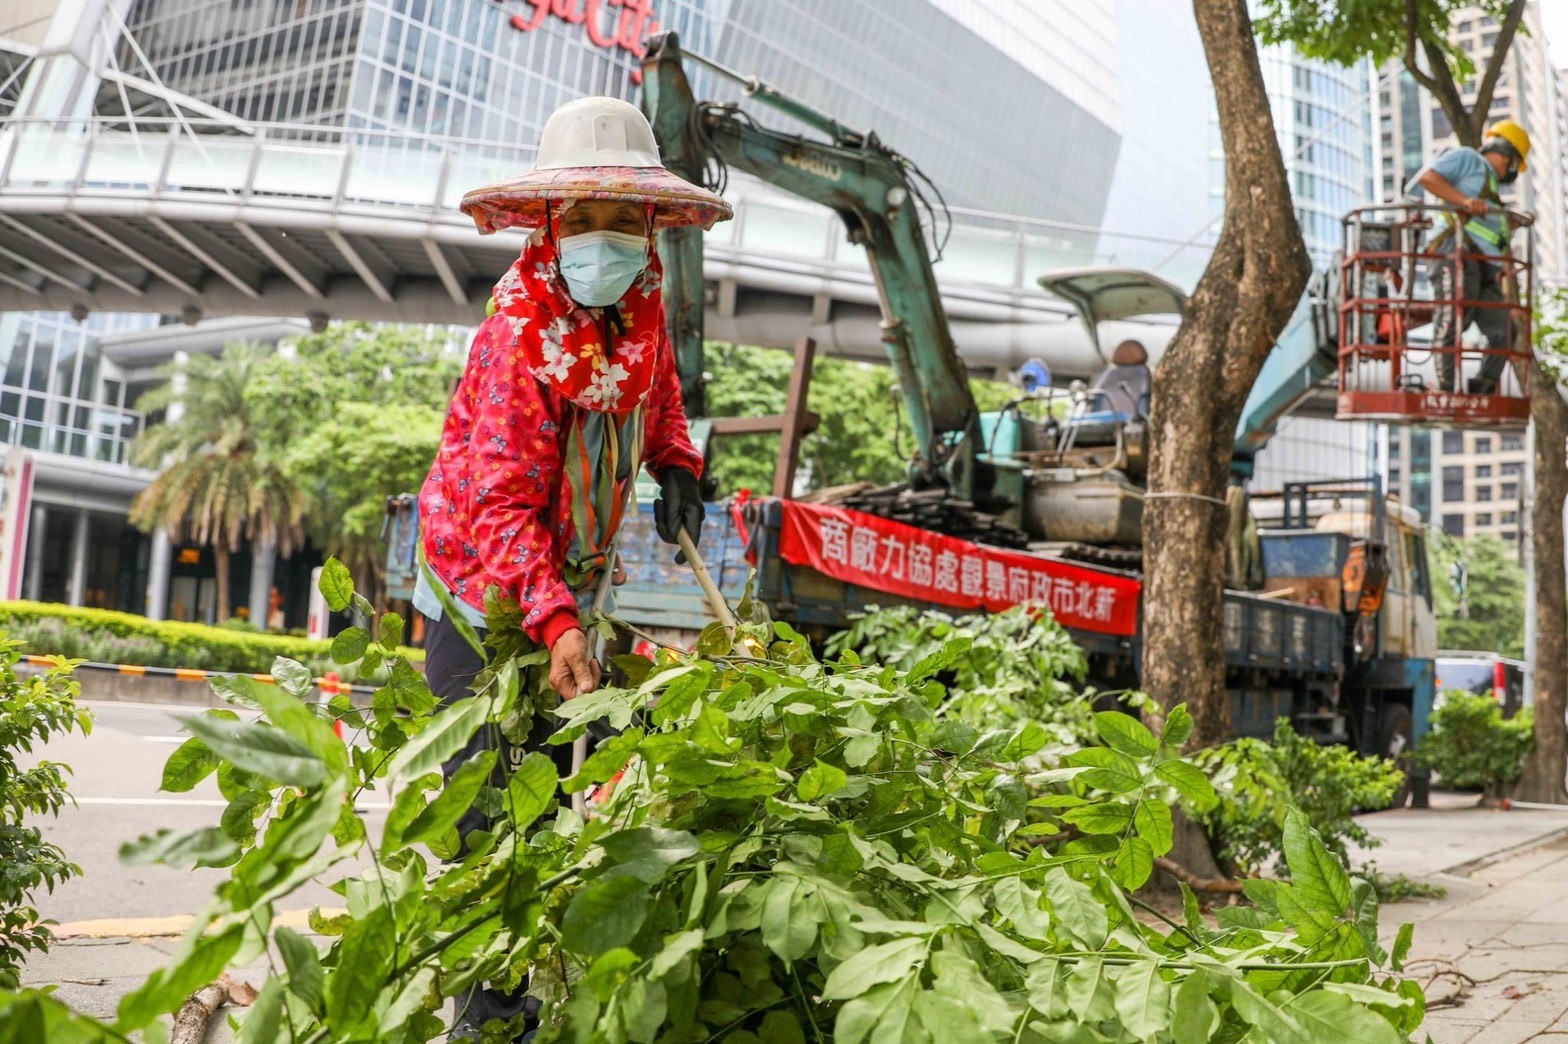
<point>1471,173</point>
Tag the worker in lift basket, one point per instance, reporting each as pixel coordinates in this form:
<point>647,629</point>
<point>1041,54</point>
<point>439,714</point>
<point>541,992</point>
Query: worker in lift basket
<point>1467,179</point>
<point>570,388</point>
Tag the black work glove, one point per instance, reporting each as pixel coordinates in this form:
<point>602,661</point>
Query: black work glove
<point>679,507</point>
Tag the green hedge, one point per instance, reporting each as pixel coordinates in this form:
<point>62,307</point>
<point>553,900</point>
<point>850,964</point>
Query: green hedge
<point>105,636</point>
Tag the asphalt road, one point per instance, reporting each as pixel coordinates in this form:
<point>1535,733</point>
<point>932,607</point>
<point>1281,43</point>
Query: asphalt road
<point>114,778</point>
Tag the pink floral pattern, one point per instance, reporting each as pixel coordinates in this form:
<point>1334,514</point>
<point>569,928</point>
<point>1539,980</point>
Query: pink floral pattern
<point>523,200</point>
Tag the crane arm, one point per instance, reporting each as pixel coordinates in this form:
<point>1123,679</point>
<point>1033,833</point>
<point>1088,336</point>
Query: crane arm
<point>868,186</point>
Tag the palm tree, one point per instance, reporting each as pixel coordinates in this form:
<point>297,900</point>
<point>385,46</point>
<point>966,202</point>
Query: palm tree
<point>217,485</point>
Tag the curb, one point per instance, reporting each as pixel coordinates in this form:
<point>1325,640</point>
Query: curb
<point>184,674</point>
<point>1471,866</point>
<point>167,927</point>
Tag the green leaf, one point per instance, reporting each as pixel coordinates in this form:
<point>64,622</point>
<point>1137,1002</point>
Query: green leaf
<point>608,758</point>
<point>1328,1016</point>
<point>938,661</point>
<point>1134,863</point>
<point>455,799</point>
<point>873,966</point>
<point>336,585</point>
<point>349,645</point>
<point>199,960</point>
<point>606,913</point>
<point>306,978</point>
<point>1318,878</point>
<point>1027,741</point>
<point>883,1013</point>
<point>820,780</point>
<point>1402,942</point>
<point>781,1027</point>
<point>789,921</point>
<point>959,979</point>
<point>1048,989</point>
<point>238,690</point>
<point>1077,911</point>
<point>1143,999</point>
<point>292,677</point>
<point>647,853</point>
<point>261,749</point>
<point>1153,823</point>
<point>1369,994</point>
<point>264,1021</point>
<point>1275,1026</point>
<point>289,713</point>
<point>715,640</point>
<point>447,733</point>
<point>190,763</point>
<point>1106,817</point>
<point>364,966</point>
<point>1194,1015</point>
<point>1125,733</point>
<point>1109,770</point>
<point>1089,995</point>
<point>676,948</point>
<point>206,847</point>
<point>531,790</point>
<point>390,632</point>
<point>1188,781</point>
<point>1178,726</point>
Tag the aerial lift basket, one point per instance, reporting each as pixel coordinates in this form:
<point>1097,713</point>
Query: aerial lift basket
<point>1392,367</point>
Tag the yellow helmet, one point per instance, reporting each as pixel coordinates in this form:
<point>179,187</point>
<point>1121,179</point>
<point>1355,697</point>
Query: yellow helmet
<point>1514,135</point>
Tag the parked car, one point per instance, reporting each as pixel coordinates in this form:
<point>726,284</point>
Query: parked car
<point>1482,673</point>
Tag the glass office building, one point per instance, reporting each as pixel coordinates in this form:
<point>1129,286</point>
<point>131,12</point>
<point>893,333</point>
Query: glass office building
<point>1009,106</point>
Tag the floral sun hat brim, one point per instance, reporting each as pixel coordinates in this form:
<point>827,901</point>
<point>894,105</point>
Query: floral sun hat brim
<point>522,201</point>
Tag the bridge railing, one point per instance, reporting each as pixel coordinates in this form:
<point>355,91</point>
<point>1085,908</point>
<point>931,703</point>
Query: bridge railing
<point>336,167</point>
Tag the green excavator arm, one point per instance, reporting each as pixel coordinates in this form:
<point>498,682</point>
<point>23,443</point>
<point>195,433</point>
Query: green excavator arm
<point>868,186</point>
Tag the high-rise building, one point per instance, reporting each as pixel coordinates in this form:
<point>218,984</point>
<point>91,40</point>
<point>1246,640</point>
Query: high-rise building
<point>1469,482</point>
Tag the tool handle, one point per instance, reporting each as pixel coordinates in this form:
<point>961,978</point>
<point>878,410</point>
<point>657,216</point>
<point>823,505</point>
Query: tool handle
<point>601,597</point>
<point>716,602</point>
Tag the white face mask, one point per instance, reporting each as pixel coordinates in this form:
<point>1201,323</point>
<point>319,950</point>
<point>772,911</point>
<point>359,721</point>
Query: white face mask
<point>599,267</point>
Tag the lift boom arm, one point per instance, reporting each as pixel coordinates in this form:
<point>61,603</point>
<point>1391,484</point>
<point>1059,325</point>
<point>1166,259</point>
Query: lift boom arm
<point>867,185</point>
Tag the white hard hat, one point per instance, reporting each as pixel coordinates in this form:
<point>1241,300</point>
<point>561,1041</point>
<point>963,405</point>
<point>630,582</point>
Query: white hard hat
<point>597,132</point>
<point>595,148</point>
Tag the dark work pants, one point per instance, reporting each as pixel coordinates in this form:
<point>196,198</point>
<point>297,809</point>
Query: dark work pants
<point>450,667</point>
<point>1481,282</point>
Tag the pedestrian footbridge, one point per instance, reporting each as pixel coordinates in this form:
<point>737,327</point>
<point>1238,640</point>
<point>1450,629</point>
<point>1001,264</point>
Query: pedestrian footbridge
<point>167,205</point>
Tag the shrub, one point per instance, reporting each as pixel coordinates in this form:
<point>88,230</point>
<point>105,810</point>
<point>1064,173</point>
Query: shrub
<point>1258,783</point>
<point>105,636</point>
<point>30,712</point>
<point>1472,746</point>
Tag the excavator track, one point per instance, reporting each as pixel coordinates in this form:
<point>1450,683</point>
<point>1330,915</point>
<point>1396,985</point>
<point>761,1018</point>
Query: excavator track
<point>936,510</point>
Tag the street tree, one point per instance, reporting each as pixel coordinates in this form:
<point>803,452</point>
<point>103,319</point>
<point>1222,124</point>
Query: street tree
<point>1545,768</point>
<point>354,414</point>
<point>1417,33</point>
<point>1490,615</point>
<point>218,485</point>
<point>1243,300</point>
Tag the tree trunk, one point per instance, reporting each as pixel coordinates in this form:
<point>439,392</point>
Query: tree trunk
<point>1247,294</point>
<point>1544,769</point>
<point>220,557</point>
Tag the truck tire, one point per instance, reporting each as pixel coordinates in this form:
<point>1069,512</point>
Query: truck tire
<point>1394,742</point>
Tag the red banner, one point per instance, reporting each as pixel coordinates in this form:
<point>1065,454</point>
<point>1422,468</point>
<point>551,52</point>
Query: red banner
<point>889,556</point>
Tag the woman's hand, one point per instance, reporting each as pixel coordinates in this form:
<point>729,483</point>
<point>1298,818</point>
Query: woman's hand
<point>572,672</point>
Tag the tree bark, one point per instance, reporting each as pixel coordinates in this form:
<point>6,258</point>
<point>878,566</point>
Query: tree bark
<point>1547,764</point>
<point>1242,302</point>
<point>1438,78</point>
<point>220,557</point>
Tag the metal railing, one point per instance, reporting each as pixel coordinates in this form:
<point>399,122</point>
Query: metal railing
<point>336,167</point>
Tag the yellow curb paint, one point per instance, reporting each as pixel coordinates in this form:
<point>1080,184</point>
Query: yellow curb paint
<point>132,668</point>
<point>167,927</point>
<point>186,674</point>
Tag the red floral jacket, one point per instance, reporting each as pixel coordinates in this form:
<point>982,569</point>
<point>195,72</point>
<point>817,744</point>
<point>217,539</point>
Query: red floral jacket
<point>494,509</point>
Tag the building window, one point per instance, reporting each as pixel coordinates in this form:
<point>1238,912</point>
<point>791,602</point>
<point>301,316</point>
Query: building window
<point>1483,444</point>
<point>1510,518</point>
<point>1514,468</point>
<point>1510,491</point>
<point>1483,471</point>
<point>1509,534</point>
<point>1394,477</point>
<point>1483,519</point>
<point>1393,449</point>
<point>1454,525</point>
<point>1483,493</point>
<point>1453,484</point>
<point>1453,442</point>
<point>1512,443</point>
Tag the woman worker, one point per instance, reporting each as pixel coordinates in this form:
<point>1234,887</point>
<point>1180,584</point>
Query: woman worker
<point>570,387</point>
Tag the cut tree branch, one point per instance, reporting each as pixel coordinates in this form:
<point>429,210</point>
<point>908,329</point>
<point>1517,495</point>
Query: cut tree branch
<point>1494,67</point>
<point>1196,883</point>
<point>190,1022</point>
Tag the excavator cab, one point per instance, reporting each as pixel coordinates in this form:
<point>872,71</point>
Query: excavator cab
<point>1419,343</point>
